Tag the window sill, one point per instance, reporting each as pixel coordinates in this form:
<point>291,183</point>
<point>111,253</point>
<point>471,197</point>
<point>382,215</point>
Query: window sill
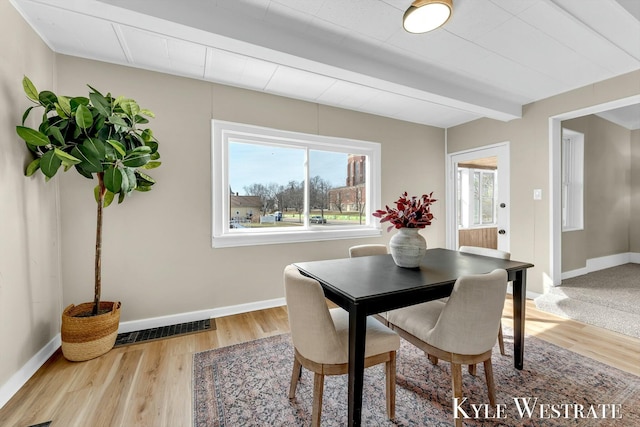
<point>252,239</point>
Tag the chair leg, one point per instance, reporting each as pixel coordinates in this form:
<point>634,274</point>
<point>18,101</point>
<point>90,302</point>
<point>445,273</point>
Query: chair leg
<point>390,376</point>
<point>432,359</point>
<point>501,341</point>
<point>456,381</point>
<point>491,387</point>
<point>472,370</point>
<point>295,376</point>
<point>318,388</point>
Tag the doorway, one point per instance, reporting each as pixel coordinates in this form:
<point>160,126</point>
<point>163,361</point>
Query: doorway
<point>478,202</point>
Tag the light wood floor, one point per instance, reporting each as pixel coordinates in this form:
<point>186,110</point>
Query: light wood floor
<point>149,384</point>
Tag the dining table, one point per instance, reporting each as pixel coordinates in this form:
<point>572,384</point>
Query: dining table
<point>368,285</point>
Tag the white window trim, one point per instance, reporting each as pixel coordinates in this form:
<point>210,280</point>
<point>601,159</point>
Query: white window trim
<point>222,131</point>
<point>573,184</point>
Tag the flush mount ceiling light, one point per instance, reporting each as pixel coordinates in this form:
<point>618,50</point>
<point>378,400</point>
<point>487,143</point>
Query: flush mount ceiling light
<point>427,15</point>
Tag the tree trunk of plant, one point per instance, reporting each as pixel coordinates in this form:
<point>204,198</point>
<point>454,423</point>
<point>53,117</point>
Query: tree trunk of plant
<point>98,265</point>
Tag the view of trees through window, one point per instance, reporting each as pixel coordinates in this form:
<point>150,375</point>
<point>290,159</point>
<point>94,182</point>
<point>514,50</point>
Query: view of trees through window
<point>476,197</point>
<point>268,186</point>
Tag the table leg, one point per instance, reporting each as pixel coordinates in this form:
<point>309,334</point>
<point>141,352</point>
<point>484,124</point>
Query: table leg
<point>357,334</point>
<point>519,305</point>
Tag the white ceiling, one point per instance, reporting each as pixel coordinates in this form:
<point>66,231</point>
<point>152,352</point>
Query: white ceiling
<point>491,58</point>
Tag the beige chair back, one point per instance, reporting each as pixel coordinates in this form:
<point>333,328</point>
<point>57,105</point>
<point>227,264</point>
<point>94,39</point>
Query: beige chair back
<point>469,322</point>
<point>493,253</point>
<point>312,330</point>
<point>367,250</point>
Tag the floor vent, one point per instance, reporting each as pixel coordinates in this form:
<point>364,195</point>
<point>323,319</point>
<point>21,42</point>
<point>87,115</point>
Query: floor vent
<point>164,332</point>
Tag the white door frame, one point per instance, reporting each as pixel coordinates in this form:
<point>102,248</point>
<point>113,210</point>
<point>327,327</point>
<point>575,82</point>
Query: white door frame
<point>500,150</point>
<point>555,180</point>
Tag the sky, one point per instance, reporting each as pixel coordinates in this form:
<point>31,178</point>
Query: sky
<point>254,164</point>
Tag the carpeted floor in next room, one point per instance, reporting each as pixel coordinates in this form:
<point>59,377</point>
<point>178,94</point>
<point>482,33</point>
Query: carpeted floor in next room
<point>608,298</point>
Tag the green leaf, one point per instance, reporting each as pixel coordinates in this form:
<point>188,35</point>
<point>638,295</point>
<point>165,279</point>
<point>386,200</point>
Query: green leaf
<point>155,156</point>
<point>130,107</point>
<point>113,179</point>
<point>135,160</point>
<point>61,112</point>
<point>57,135</point>
<point>143,188</point>
<point>122,151</point>
<point>101,104</point>
<point>94,89</point>
<point>131,179</point>
<point>95,147</point>
<point>50,163</point>
<point>151,165</point>
<point>143,149</point>
<point>82,171</point>
<point>147,136</point>
<point>108,198</point>
<point>77,101</point>
<point>66,158</point>
<point>119,121</point>
<point>147,113</point>
<point>32,136</point>
<point>26,114</point>
<point>89,163</point>
<point>48,99</point>
<point>30,89</point>
<point>153,145</point>
<point>125,186</point>
<point>84,119</point>
<point>65,105</point>
<point>144,179</point>
<point>96,193</point>
<point>99,122</point>
<point>121,197</point>
<point>32,167</point>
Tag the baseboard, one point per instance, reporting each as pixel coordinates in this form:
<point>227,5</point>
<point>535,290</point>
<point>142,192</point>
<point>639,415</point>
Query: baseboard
<point>528,295</point>
<point>596,264</point>
<point>17,380</point>
<point>174,319</point>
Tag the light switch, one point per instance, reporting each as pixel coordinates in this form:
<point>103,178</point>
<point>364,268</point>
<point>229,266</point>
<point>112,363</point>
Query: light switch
<point>537,194</point>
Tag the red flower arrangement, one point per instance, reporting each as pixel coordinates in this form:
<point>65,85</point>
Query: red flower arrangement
<point>414,212</point>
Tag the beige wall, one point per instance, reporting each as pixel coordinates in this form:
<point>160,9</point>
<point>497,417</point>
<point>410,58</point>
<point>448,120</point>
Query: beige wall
<point>529,141</point>
<point>30,294</point>
<point>607,189</point>
<point>634,226</point>
<point>157,255</point>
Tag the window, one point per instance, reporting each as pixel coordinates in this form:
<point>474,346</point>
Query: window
<point>273,186</point>
<point>476,197</point>
<point>572,180</point>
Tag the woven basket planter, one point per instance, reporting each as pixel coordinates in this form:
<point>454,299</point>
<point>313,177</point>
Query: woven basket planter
<point>85,338</point>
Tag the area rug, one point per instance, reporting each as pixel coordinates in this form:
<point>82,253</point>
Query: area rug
<point>608,298</point>
<point>247,385</point>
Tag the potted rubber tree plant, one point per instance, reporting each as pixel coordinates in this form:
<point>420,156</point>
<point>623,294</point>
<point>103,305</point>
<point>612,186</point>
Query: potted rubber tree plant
<point>100,137</point>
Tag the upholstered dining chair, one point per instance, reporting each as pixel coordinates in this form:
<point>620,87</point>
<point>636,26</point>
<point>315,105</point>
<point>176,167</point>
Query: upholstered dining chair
<point>370,250</point>
<point>493,253</point>
<point>461,330</point>
<point>321,340</point>
<point>367,250</point>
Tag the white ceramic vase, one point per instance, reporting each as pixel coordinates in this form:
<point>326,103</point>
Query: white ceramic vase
<point>408,247</point>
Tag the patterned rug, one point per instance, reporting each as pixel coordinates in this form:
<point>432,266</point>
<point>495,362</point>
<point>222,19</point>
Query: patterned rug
<point>247,385</point>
